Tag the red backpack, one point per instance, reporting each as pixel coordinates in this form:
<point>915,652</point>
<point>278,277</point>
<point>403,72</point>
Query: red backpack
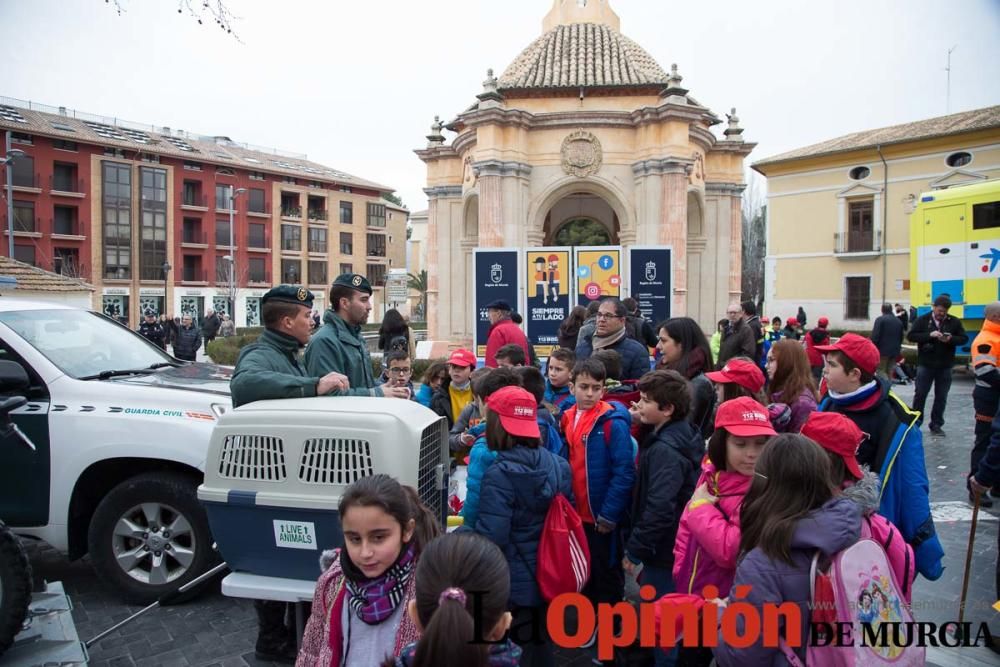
<point>563,541</point>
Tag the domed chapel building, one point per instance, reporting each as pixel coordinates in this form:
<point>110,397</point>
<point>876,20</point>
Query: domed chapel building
<point>584,125</point>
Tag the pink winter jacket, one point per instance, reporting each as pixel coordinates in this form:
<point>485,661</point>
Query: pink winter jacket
<point>708,538</point>
<point>322,640</point>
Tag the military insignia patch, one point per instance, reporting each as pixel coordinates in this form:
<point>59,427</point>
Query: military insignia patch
<point>302,294</point>
<point>356,280</point>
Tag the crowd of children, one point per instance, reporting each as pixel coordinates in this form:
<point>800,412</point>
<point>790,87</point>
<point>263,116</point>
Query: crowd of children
<point>785,473</point>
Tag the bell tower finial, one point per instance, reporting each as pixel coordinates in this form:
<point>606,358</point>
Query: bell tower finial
<point>568,12</point>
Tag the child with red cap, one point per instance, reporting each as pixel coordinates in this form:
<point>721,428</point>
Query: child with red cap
<point>739,377</point>
<point>708,539</point>
<point>516,493</point>
<point>818,336</point>
<point>841,438</point>
<point>894,448</point>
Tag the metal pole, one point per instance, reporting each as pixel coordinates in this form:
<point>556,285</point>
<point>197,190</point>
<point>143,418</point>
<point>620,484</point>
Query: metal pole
<point>232,254</point>
<point>10,199</point>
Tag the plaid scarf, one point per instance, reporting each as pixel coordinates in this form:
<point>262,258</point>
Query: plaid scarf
<point>374,600</point>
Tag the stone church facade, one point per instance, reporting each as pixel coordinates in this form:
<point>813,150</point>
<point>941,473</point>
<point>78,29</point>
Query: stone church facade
<point>584,124</point>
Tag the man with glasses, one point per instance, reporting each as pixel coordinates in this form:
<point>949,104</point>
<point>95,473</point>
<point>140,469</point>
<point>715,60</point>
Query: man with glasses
<point>738,339</point>
<point>611,334</point>
<point>398,372</point>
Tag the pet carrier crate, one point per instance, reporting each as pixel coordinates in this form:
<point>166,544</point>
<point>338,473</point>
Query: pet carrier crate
<point>276,470</point>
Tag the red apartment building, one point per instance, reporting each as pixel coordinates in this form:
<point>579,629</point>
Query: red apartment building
<point>143,214</point>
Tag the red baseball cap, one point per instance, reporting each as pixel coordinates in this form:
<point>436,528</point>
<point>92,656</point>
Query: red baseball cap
<point>858,349</point>
<point>792,322</point>
<point>823,323</point>
<point>744,417</point>
<point>838,434</point>
<point>517,410</point>
<point>462,358</point>
<point>737,371</point>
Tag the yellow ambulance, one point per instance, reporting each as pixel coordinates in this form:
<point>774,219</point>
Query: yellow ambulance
<point>955,250</point>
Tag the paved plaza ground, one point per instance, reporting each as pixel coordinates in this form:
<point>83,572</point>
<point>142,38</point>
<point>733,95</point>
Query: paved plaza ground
<point>220,631</point>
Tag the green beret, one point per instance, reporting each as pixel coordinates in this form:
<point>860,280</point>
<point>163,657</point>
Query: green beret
<point>355,281</point>
<point>290,294</point>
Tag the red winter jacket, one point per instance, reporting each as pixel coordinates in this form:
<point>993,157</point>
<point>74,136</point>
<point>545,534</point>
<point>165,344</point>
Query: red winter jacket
<point>708,539</point>
<point>503,333</point>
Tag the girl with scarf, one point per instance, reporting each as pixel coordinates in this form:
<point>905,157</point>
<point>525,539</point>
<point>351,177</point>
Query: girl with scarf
<point>683,348</point>
<point>791,384</point>
<point>708,538</point>
<point>358,615</point>
<point>462,580</point>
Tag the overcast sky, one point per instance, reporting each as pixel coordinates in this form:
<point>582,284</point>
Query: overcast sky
<point>356,85</point>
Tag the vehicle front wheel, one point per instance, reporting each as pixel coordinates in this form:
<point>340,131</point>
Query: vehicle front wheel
<point>15,587</point>
<point>150,536</point>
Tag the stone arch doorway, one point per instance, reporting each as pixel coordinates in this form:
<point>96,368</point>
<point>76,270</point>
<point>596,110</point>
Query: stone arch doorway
<point>579,219</point>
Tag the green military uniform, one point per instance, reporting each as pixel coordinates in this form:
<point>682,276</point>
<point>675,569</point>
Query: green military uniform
<point>338,346</point>
<point>269,368</point>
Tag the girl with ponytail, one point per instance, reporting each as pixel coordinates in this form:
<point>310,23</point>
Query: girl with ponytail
<point>457,574</point>
<point>358,615</point>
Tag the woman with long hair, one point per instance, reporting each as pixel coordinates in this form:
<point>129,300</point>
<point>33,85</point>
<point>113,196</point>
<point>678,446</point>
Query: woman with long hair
<point>791,383</point>
<point>790,512</point>
<point>684,348</point>
<point>569,330</point>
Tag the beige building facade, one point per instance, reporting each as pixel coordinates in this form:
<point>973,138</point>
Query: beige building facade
<point>838,212</point>
<point>584,124</point>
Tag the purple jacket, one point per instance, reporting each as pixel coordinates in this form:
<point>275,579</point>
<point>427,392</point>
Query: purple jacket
<point>832,528</point>
<point>800,409</point>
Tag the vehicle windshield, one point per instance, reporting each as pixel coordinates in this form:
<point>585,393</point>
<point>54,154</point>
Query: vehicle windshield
<point>83,343</point>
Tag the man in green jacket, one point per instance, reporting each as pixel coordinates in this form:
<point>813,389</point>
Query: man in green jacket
<point>269,369</point>
<point>338,345</point>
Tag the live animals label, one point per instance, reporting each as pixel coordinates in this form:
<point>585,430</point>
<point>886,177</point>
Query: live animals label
<point>295,534</point>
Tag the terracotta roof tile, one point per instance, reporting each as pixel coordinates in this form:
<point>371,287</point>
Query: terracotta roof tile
<point>582,55</point>
<point>967,121</point>
<point>186,146</point>
<point>30,278</point>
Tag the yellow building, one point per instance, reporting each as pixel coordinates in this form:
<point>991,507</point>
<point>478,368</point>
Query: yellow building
<point>584,125</point>
<point>838,212</point>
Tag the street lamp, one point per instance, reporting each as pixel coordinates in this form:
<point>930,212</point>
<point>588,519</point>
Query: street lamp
<point>166,270</point>
<point>8,162</point>
<point>233,193</point>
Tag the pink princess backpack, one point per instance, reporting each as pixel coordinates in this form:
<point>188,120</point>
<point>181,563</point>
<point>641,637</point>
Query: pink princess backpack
<point>858,587</point>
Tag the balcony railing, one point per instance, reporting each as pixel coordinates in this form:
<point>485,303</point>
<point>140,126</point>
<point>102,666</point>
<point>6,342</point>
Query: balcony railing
<point>194,236</point>
<point>846,243</point>
<point>222,237</point>
<point>258,279</point>
<point>195,199</point>
<point>376,252</point>
<point>315,214</point>
<point>194,276</point>
<point>291,211</point>
<point>64,228</point>
<point>29,226</point>
<point>26,180</point>
<point>317,248</point>
<point>262,209</point>
<point>75,185</point>
<point>256,242</point>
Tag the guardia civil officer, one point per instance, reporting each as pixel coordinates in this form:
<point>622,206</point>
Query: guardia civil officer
<point>270,369</point>
<point>152,331</point>
<point>338,344</point>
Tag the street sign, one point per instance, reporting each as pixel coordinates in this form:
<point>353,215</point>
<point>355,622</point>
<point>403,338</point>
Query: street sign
<point>396,290</point>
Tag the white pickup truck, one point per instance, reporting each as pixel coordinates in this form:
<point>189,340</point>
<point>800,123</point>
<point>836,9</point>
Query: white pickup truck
<point>122,430</point>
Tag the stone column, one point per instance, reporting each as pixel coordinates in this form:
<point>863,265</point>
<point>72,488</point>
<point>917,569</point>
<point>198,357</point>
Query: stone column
<point>488,174</point>
<point>673,226</point>
<point>440,262</point>
<point>726,200</point>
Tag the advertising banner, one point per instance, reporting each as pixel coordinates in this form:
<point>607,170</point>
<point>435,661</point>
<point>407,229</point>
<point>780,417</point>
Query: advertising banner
<point>496,278</point>
<point>547,279</point>
<point>650,280</point>
<point>598,273</point>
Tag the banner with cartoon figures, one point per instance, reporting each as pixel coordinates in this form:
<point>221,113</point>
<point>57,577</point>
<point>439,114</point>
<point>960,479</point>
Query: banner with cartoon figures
<point>650,274</point>
<point>547,287</point>
<point>496,272</point>
<point>598,273</point>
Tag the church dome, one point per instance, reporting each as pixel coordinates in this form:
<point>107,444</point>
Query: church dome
<point>587,55</point>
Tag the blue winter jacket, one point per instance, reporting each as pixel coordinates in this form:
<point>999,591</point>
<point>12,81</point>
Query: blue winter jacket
<point>635,355</point>
<point>424,395</point>
<point>560,398</point>
<point>898,450</point>
<point>610,465</point>
<point>517,491</point>
<point>481,457</point>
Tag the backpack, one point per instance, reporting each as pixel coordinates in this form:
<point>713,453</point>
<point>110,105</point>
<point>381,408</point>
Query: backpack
<point>398,343</point>
<point>562,542</point>
<point>858,586</point>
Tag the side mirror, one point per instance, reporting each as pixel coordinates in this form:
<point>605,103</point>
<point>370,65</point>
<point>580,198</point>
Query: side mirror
<point>13,377</point>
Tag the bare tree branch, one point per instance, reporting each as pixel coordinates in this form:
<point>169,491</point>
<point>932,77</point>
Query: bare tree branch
<point>201,10</point>
<point>754,243</point>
